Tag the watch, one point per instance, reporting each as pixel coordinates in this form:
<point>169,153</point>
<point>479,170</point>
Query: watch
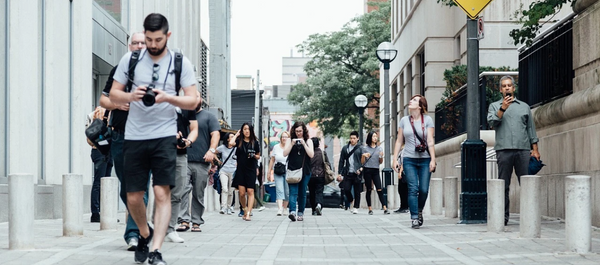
<point>501,109</point>
<point>212,150</point>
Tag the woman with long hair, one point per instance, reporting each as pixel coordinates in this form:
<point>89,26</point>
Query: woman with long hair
<point>415,131</point>
<point>247,153</point>
<point>371,158</point>
<point>282,189</point>
<point>299,152</point>
<point>228,158</point>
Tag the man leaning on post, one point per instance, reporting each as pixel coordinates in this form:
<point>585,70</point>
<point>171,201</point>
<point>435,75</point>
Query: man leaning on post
<point>516,140</point>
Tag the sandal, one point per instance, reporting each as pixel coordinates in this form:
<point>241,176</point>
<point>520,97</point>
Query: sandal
<point>196,229</point>
<point>247,218</point>
<point>184,226</point>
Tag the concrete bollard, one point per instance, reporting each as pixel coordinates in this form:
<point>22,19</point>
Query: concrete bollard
<point>72,204</point>
<point>391,204</point>
<point>109,202</point>
<point>531,217</point>
<point>578,214</point>
<point>451,196</point>
<point>495,205</point>
<point>20,211</point>
<point>436,195</point>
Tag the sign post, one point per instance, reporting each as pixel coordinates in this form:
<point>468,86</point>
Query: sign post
<point>473,197</point>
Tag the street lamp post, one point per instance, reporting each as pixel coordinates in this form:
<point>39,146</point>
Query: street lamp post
<point>361,102</point>
<point>386,53</point>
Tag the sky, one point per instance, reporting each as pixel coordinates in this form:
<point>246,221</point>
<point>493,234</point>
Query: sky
<point>264,31</point>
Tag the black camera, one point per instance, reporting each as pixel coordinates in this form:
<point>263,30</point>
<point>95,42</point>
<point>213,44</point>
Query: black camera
<point>420,148</point>
<point>150,97</point>
<point>180,142</point>
<point>298,143</point>
<point>251,153</point>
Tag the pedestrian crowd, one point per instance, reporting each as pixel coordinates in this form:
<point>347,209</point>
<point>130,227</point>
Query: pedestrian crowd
<point>162,139</point>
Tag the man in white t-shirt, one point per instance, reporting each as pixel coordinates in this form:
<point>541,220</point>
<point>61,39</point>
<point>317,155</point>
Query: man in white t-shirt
<point>151,129</point>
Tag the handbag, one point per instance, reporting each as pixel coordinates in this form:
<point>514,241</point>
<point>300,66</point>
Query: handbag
<point>329,175</point>
<point>99,134</point>
<point>279,168</point>
<point>294,176</point>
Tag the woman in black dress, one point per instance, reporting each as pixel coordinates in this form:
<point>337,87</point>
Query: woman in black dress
<point>247,152</point>
<point>299,152</point>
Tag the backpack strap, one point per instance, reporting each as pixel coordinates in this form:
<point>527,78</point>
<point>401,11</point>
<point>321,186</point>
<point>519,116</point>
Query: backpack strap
<point>133,61</point>
<point>177,70</point>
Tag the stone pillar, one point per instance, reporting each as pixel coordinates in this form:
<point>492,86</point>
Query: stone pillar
<point>72,204</point>
<point>20,211</point>
<point>451,196</point>
<point>436,196</point>
<point>390,197</point>
<point>109,202</point>
<point>495,205</point>
<point>578,214</point>
<point>531,217</point>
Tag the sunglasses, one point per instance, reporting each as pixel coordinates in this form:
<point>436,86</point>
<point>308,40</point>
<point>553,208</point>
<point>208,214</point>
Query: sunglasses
<point>155,69</point>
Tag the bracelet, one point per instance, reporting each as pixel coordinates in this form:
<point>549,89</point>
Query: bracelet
<point>501,109</point>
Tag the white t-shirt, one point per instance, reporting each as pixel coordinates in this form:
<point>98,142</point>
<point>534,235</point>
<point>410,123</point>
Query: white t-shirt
<point>278,154</point>
<point>160,119</point>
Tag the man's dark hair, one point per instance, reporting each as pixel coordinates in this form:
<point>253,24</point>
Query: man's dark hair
<point>155,22</point>
<point>355,133</point>
<point>315,142</point>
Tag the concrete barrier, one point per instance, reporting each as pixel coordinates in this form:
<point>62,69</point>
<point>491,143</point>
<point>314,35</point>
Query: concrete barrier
<point>578,214</point>
<point>531,217</point>
<point>20,211</point>
<point>495,205</point>
<point>436,194</point>
<point>72,204</point>
<point>451,196</point>
<point>109,203</point>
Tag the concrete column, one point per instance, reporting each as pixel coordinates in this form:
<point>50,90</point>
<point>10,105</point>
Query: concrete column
<point>531,217</point>
<point>436,195</point>
<point>109,202</point>
<point>451,196</point>
<point>20,211</point>
<point>390,197</point>
<point>578,214</point>
<point>72,204</point>
<point>495,205</point>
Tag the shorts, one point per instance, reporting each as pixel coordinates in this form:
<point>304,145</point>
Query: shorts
<point>142,157</point>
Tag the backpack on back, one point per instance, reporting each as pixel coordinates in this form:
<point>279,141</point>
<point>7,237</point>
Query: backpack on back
<point>134,59</point>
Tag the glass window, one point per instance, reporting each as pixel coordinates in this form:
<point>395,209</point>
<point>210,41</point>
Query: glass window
<point>113,7</point>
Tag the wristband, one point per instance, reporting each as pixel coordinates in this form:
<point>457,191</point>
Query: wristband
<point>501,109</point>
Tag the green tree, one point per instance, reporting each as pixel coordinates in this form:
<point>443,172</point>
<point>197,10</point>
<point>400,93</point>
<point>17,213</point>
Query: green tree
<point>530,18</point>
<point>343,65</point>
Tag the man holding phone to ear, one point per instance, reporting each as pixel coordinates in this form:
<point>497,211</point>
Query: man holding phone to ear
<point>516,139</point>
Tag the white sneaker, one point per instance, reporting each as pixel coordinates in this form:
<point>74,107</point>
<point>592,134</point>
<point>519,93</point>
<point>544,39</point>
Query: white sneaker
<point>354,211</point>
<point>229,211</point>
<point>279,212</point>
<point>174,237</point>
<point>261,208</point>
<point>223,210</point>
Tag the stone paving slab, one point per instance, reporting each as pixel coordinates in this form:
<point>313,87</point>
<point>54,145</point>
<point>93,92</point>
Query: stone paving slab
<point>337,237</point>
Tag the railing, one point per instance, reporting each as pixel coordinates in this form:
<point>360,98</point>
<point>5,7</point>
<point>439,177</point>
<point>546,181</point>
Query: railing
<point>451,120</point>
<point>546,67</point>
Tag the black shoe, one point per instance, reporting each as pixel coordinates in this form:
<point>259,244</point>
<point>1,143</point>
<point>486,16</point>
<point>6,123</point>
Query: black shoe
<point>370,212</point>
<point>314,213</point>
<point>420,218</point>
<point>95,218</point>
<point>415,224</point>
<point>505,222</point>
<point>386,211</point>
<point>404,211</point>
<point>292,217</point>
<point>155,258</point>
<point>319,209</point>
<point>141,252</point>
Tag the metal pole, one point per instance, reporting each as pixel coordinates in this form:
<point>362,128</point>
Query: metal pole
<point>473,118</point>
<point>257,104</point>
<point>386,102</point>
<point>361,112</point>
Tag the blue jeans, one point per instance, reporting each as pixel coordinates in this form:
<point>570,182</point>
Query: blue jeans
<point>116,150</point>
<point>298,195</point>
<point>417,176</point>
<point>282,189</point>
<point>102,168</point>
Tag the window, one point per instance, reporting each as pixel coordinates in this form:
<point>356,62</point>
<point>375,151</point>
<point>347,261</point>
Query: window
<point>422,72</point>
<point>112,7</point>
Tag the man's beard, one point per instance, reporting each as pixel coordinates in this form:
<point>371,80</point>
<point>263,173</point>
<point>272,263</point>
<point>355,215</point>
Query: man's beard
<point>158,52</point>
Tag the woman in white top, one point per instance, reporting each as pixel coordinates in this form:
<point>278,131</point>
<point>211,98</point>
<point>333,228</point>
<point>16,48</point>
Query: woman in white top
<point>277,167</point>
<point>228,157</point>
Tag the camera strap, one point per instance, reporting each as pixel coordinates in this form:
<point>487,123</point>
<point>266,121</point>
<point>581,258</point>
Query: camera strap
<point>417,135</point>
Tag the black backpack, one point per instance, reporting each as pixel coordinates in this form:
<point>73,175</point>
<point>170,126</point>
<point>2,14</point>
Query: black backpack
<point>134,59</point>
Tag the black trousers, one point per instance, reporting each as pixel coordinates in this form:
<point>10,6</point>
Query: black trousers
<point>403,192</point>
<point>315,190</point>
<point>372,178</point>
<point>353,182</point>
<point>507,161</point>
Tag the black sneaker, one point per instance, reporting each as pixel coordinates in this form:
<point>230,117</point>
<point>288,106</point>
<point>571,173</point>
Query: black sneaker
<point>155,258</point>
<point>141,252</point>
<point>415,224</point>
<point>386,211</point>
<point>420,218</point>
<point>292,216</point>
<point>370,212</point>
<point>318,209</point>
<point>95,218</point>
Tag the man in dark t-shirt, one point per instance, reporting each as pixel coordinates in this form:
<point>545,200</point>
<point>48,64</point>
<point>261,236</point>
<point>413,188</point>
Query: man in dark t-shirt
<point>117,122</point>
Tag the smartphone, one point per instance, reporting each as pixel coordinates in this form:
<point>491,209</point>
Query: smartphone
<point>508,94</point>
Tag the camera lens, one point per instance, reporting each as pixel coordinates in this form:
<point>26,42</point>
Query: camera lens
<point>180,142</point>
<point>298,142</point>
<point>150,97</point>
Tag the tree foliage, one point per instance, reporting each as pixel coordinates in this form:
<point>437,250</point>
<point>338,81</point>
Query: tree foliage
<point>343,65</point>
<point>529,18</point>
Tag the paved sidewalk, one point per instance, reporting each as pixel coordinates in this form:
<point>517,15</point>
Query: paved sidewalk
<point>337,237</point>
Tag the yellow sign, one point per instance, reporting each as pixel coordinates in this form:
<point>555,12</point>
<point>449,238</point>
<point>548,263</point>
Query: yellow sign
<point>472,7</point>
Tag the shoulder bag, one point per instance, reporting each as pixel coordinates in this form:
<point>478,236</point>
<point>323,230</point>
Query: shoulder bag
<point>294,176</point>
<point>329,175</point>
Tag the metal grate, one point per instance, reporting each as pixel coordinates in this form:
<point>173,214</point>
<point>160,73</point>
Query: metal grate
<point>204,77</point>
